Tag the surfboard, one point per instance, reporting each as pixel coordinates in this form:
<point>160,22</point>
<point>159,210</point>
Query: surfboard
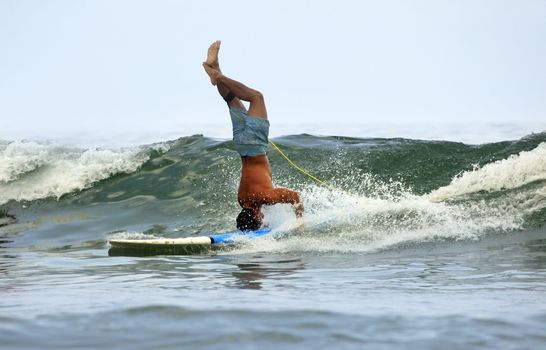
<point>179,246</point>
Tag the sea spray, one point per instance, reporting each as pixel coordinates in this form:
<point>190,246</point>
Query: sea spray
<point>337,221</point>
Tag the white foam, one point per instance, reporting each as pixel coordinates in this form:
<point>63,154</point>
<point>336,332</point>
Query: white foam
<point>21,157</point>
<point>513,172</point>
<point>32,171</point>
<point>129,235</point>
<point>341,222</point>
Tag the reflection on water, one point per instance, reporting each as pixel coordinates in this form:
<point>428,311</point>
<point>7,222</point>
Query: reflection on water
<point>3,242</point>
<point>536,259</point>
<point>7,263</point>
<point>251,274</point>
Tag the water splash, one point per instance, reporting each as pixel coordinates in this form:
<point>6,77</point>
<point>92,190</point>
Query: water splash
<point>389,214</point>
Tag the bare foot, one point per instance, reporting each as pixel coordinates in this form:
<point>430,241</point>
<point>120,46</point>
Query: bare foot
<point>212,55</point>
<point>213,73</point>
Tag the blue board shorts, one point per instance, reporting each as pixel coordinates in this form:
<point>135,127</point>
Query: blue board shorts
<point>250,133</point>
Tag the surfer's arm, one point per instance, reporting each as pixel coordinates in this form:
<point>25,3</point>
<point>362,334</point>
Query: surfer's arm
<point>284,195</point>
<point>298,208</point>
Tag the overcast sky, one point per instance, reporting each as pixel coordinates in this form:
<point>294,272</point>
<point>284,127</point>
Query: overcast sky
<point>110,65</point>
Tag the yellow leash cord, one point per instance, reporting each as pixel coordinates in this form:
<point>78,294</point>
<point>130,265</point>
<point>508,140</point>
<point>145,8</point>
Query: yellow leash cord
<point>303,170</point>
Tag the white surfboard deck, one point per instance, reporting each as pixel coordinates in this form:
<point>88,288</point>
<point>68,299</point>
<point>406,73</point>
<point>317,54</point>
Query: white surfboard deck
<point>214,239</point>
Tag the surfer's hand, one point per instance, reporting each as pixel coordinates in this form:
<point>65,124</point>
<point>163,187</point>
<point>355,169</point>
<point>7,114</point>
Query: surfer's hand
<point>298,208</point>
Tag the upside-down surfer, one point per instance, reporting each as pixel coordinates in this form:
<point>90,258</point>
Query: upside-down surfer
<point>250,137</point>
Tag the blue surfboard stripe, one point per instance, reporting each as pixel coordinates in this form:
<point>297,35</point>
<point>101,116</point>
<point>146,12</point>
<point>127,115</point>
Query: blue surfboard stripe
<point>223,238</point>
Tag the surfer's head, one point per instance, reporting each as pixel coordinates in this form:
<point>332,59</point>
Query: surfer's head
<point>249,219</point>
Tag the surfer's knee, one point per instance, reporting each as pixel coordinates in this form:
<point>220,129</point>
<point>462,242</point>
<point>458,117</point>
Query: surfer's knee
<point>256,95</point>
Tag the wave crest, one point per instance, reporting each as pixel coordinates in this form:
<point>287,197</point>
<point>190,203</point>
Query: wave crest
<point>513,172</point>
<point>31,171</point>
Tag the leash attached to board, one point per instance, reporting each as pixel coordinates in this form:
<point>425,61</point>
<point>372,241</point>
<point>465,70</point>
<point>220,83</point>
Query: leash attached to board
<point>305,172</point>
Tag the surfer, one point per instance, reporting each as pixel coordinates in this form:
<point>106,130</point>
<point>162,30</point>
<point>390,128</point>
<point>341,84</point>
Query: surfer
<point>250,137</point>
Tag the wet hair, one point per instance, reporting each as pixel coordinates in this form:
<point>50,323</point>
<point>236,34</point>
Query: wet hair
<point>246,220</point>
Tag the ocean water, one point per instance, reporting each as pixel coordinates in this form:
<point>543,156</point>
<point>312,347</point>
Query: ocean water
<point>427,244</point>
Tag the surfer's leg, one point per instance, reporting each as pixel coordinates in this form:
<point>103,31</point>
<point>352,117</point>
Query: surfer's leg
<point>229,97</point>
<point>212,61</point>
<point>243,92</point>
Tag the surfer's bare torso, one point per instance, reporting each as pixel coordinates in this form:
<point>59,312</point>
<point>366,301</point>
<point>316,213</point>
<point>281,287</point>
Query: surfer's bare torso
<point>256,186</point>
